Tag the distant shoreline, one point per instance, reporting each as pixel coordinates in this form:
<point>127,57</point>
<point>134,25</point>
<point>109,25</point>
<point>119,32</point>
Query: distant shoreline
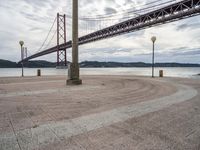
<point>92,64</point>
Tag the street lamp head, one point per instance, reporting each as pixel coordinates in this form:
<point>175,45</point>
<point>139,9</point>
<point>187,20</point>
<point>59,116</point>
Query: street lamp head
<point>21,43</point>
<point>153,39</point>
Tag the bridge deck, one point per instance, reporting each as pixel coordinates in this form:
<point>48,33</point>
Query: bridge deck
<point>174,12</point>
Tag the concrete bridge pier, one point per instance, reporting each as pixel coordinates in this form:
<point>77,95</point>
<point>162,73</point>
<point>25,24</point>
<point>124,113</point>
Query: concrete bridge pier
<point>73,73</point>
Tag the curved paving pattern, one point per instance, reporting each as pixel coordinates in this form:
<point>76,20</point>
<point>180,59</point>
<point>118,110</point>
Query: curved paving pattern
<point>130,98</point>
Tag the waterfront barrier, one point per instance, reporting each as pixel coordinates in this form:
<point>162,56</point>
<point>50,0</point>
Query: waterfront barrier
<point>161,73</point>
<point>38,72</point>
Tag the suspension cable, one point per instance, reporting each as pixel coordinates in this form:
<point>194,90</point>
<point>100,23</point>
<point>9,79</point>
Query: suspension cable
<point>122,11</point>
<point>50,39</point>
<point>47,36</point>
<point>136,12</point>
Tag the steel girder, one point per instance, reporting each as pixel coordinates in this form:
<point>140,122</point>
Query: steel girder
<point>177,11</point>
<point>174,12</point>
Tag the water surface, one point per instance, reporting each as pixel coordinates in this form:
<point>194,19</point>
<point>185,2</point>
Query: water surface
<point>169,71</point>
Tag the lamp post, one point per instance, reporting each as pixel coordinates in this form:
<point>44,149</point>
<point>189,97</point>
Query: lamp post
<point>153,39</point>
<point>21,44</point>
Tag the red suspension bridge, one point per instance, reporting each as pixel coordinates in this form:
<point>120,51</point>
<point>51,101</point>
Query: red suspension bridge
<point>139,19</point>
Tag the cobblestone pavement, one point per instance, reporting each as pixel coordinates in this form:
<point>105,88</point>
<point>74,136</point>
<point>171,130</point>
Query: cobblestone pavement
<point>106,112</point>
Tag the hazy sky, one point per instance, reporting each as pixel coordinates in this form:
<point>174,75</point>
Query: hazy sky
<point>30,20</point>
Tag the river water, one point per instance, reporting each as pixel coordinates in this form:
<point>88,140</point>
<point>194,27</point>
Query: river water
<point>169,71</point>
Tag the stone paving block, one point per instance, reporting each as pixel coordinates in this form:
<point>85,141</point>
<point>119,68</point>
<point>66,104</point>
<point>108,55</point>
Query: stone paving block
<point>21,121</point>
<point>8,141</point>
<point>105,113</point>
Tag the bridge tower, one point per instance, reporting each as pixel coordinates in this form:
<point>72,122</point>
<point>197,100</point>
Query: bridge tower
<point>61,38</point>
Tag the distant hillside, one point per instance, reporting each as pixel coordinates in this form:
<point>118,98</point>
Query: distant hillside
<point>90,64</point>
<point>30,64</point>
<point>7,64</point>
<point>97,64</point>
<point>39,63</point>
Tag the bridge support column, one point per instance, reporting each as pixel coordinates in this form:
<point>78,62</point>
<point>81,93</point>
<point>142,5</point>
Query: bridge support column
<point>73,72</point>
<point>61,37</point>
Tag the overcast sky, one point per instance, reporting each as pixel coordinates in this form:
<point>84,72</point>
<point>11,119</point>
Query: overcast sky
<point>30,20</point>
